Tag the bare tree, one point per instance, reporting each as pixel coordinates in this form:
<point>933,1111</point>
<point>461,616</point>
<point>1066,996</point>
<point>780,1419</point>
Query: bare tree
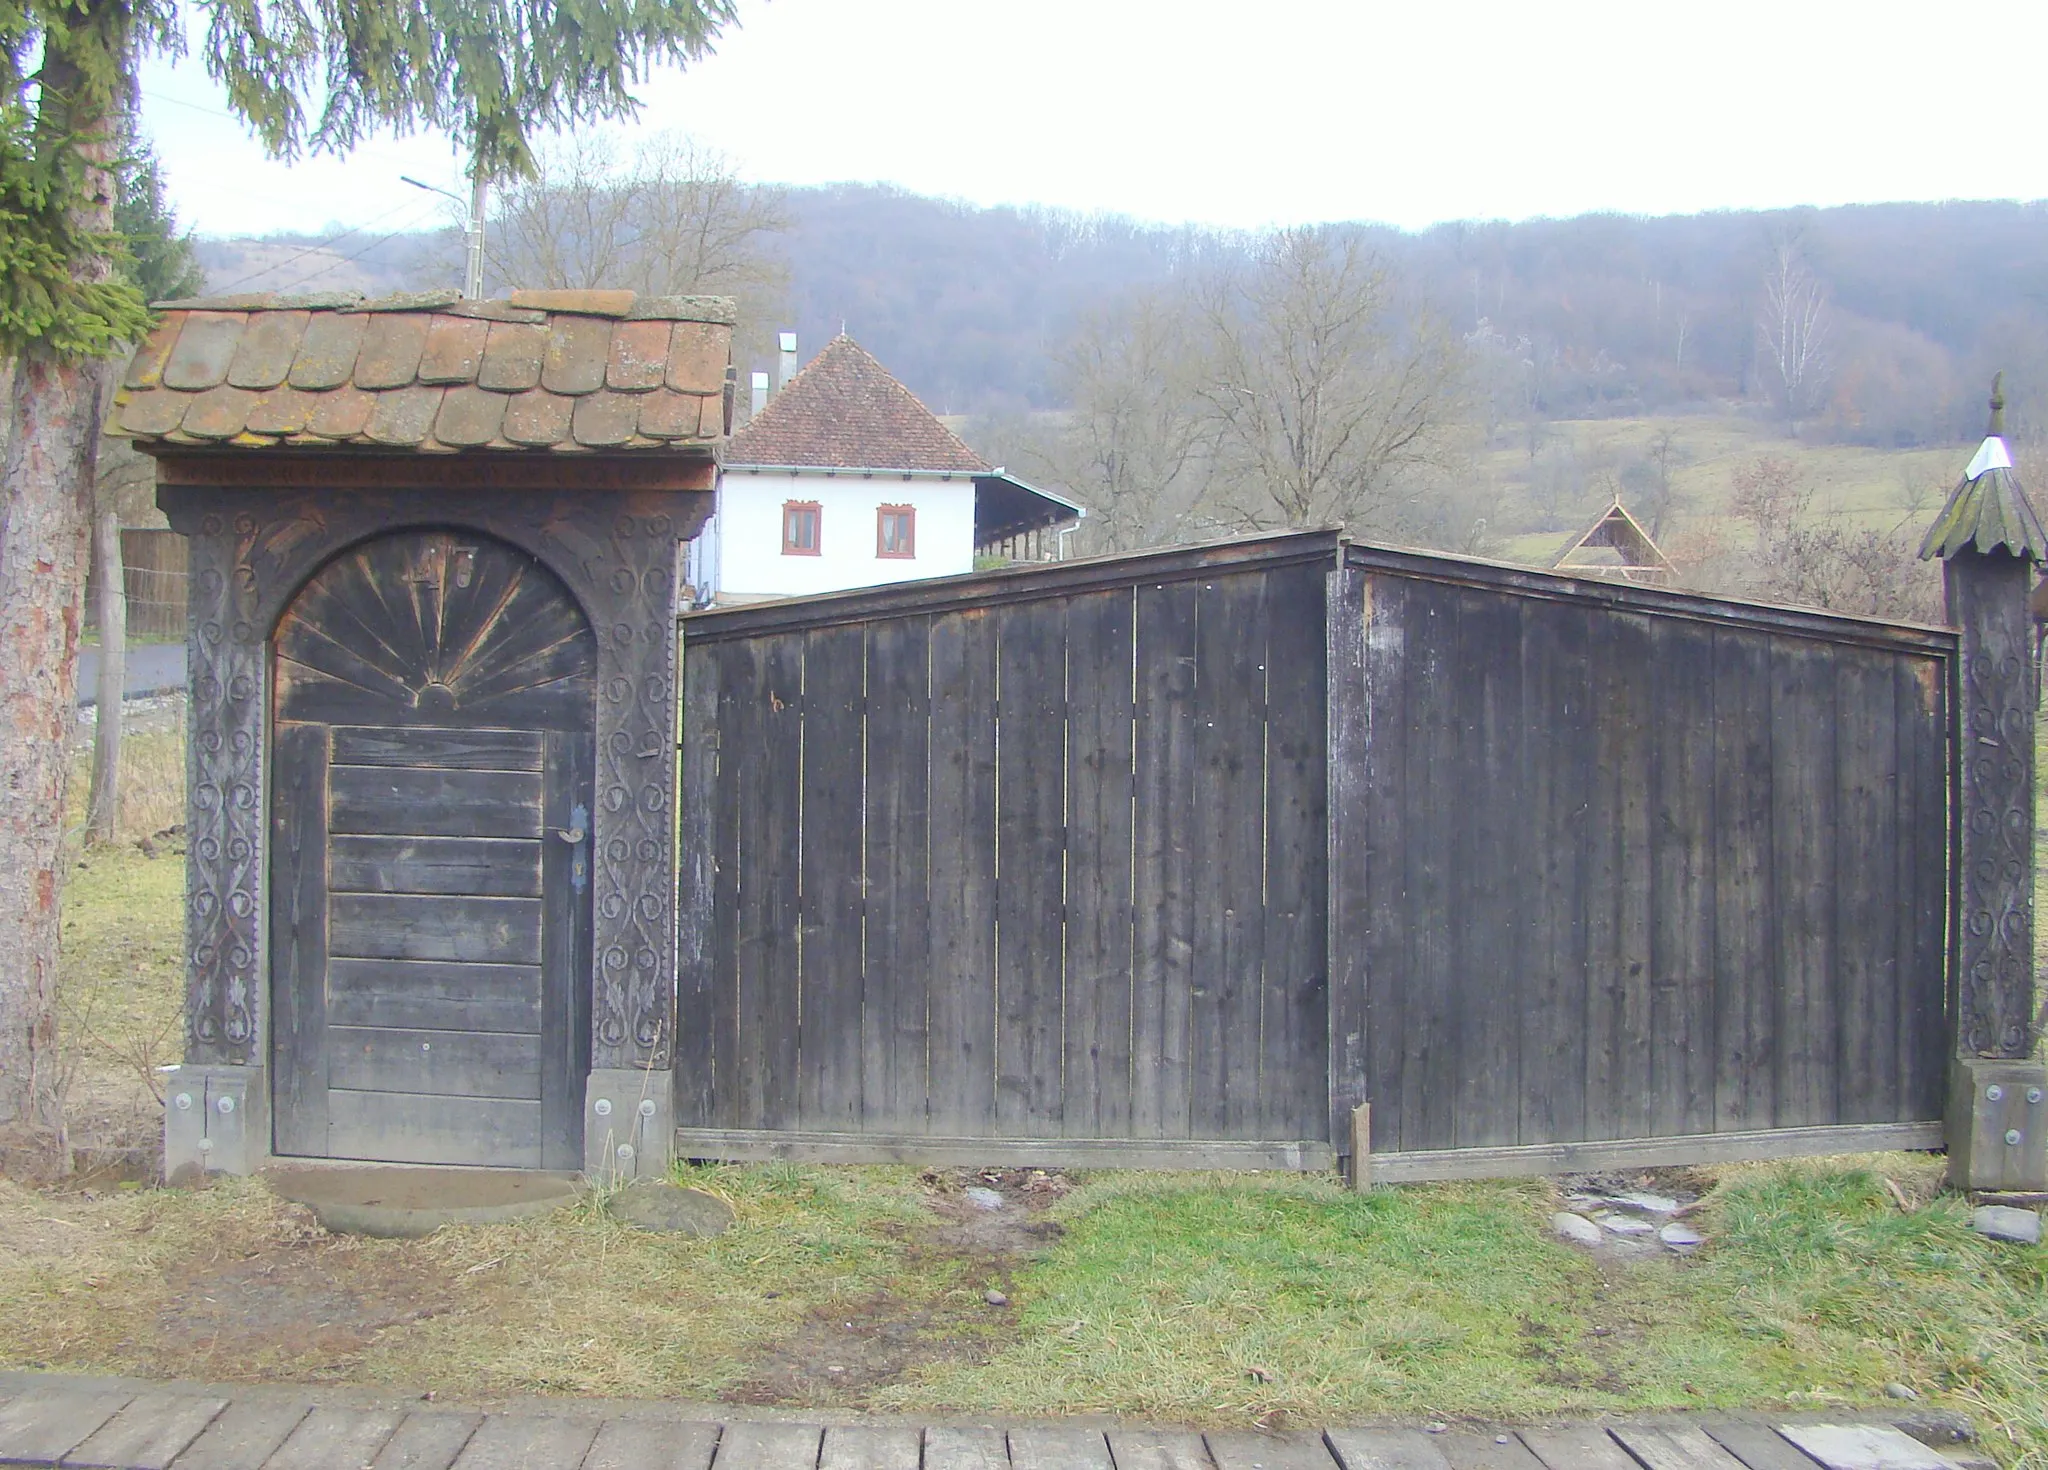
<point>676,221</point>
<point>1805,556</point>
<point>1792,335</point>
<point>1135,445</point>
<point>1322,392</point>
<point>1648,481</point>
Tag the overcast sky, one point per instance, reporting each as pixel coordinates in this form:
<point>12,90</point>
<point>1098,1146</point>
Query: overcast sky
<point>1286,111</point>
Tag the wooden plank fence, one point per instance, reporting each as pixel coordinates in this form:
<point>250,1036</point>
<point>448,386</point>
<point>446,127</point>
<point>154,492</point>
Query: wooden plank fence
<point>1180,858</point>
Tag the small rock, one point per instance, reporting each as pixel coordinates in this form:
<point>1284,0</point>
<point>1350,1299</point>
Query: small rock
<point>1436,1428</point>
<point>1655,1204</point>
<point>1575,1228</point>
<point>2004,1222</point>
<point>995,1298</point>
<point>654,1204</point>
<point>1680,1237</point>
<point>1625,1224</point>
<point>1937,1428</point>
<point>1500,1439</point>
<point>984,1199</point>
<point>1899,1391</point>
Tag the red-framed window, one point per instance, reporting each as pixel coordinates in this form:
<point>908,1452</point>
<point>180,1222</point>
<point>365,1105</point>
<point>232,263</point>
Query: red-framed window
<point>802,527</point>
<point>896,532</point>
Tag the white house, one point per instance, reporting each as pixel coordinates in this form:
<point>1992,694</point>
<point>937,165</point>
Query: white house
<point>844,479</point>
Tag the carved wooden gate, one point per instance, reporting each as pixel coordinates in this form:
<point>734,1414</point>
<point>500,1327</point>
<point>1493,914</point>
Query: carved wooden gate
<point>430,934</point>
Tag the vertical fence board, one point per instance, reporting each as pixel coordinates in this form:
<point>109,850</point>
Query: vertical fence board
<point>1923,722</point>
<point>962,1007</point>
<point>829,1016</point>
<point>1098,963</point>
<point>1744,916</point>
<point>1352,932</point>
<point>697,850</point>
<point>1376,833</point>
<point>1556,749</point>
<point>1682,879</point>
<point>1804,847</point>
<point>1163,870</point>
<point>1427,1066</point>
<point>896,975</point>
<point>1867,904</point>
<point>1229,839</point>
<point>733,677</point>
<point>1293,1005</point>
<point>1489,903</point>
<point>1030,844</point>
<point>1618,1012</point>
<point>768,715</point>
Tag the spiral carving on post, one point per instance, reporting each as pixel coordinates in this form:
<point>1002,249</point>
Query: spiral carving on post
<point>1996,913</point>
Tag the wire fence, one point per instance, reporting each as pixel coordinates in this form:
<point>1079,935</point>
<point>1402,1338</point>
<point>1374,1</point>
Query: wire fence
<point>154,575</point>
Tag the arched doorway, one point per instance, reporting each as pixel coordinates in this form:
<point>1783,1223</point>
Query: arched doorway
<point>431,772</point>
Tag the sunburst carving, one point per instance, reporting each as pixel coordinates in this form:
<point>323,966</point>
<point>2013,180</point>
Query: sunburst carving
<point>436,627</point>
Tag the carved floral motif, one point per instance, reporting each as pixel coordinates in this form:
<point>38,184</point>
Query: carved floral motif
<point>1995,959</point>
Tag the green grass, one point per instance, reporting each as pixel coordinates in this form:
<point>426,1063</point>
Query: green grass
<point>1217,1300</point>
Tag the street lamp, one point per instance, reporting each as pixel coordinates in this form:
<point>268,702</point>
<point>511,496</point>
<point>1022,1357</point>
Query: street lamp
<point>473,273</point>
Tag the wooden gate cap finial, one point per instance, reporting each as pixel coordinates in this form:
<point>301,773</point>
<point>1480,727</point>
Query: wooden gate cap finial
<point>1988,510</point>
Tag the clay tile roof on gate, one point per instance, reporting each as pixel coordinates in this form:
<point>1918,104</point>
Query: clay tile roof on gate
<point>845,411</point>
<point>397,371</point>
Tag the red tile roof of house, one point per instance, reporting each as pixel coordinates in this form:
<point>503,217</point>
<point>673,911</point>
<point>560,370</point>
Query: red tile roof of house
<point>845,411</point>
<point>433,373</point>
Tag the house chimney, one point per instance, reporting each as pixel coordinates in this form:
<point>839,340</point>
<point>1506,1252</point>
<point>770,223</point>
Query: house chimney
<point>759,399</point>
<point>787,369</point>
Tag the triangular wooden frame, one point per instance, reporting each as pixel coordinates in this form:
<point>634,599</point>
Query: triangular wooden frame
<point>1614,527</point>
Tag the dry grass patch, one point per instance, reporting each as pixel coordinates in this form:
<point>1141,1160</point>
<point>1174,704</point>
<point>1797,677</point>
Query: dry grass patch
<point>1220,1300</point>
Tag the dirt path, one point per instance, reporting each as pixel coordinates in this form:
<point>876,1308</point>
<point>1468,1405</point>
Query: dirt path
<point>985,1225</point>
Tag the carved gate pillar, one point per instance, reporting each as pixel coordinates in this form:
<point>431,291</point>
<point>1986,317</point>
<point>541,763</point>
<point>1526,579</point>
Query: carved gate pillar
<point>1990,540</point>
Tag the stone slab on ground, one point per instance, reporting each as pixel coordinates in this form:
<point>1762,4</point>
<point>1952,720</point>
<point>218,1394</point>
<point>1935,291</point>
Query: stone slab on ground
<point>115,1424</point>
<point>649,1444</point>
<point>1386,1449</point>
<point>655,1204</point>
<point>149,1432</point>
<point>41,1427</point>
<point>427,1441</point>
<point>2008,1223</point>
<point>1864,1447</point>
<point>399,1203</point>
<point>1059,1449</point>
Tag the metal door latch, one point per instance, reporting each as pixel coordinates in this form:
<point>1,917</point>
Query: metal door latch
<point>579,861</point>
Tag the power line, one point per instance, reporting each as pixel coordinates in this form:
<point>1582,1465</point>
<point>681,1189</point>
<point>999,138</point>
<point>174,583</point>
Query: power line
<point>402,229</point>
<point>316,249</point>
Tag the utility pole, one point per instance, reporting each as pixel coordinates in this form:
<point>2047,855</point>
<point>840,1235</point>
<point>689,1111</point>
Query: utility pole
<point>479,197</point>
<point>473,232</point>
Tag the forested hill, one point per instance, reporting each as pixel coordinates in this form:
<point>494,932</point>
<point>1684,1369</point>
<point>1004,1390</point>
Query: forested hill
<point>1596,315</point>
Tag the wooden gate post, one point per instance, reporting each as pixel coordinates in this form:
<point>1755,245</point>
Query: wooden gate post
<point>1989,540</point>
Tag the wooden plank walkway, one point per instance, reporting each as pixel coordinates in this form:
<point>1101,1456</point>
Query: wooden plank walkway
<point>112,1425</point>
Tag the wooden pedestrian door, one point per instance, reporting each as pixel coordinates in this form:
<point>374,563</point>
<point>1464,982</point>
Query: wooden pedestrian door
<point>433,709</point>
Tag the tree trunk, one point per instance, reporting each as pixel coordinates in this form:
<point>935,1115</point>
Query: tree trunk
<point>44,527</point>
<point>103,808</point>
<point>46,506</point>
